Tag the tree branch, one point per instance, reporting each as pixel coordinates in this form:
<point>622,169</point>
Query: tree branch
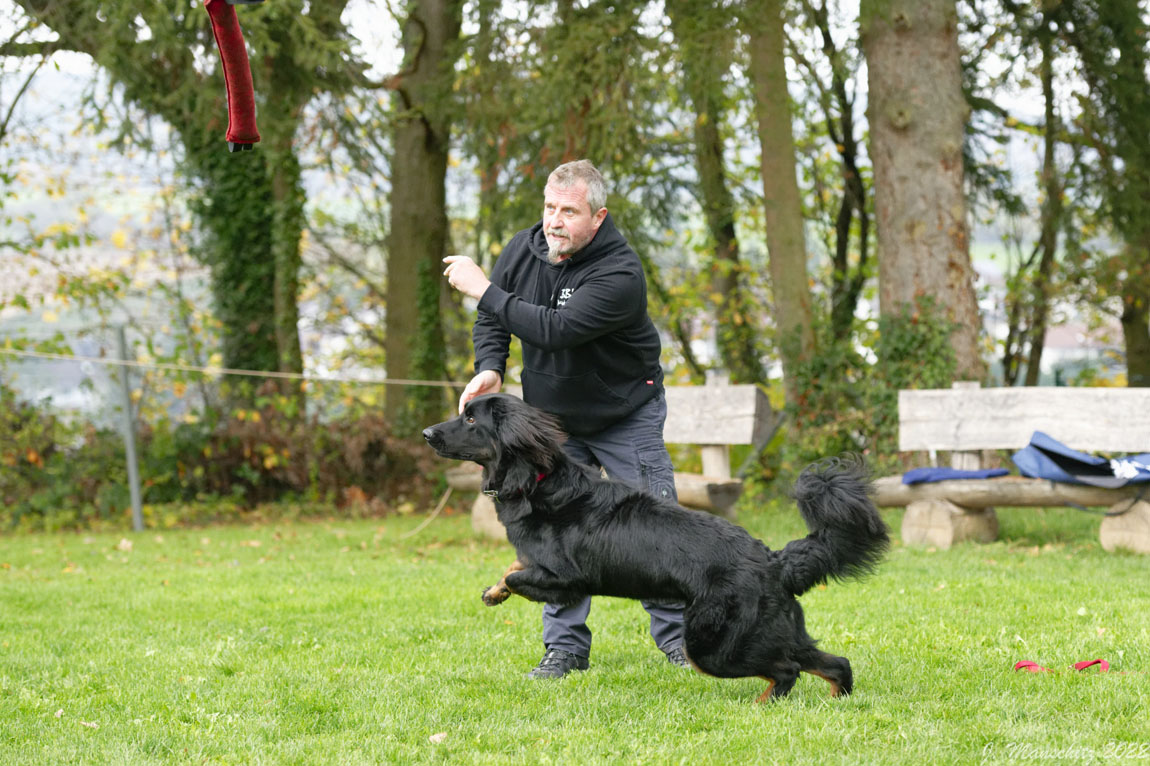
<point>16,99</point>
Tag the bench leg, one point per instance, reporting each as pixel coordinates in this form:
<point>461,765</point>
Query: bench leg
<point>941,523</point>
<point>1130,530</point>
<point>483,518</point>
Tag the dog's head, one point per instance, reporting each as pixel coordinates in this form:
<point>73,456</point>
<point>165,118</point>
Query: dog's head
<point>500,432</point>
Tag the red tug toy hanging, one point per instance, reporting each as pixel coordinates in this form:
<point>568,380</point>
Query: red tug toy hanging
<point>242,131</point>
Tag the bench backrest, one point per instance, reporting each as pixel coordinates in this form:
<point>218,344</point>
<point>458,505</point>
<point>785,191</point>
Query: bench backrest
<point>717,414</point>
<point>712,416</point>
<point>965,419</point>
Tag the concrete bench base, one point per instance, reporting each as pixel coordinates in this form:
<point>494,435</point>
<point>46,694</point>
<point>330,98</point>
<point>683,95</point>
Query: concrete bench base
<point>1128,531</point>
<point>941,523</point>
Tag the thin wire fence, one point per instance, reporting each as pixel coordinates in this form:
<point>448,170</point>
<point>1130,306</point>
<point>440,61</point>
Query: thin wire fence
<point>218,371</point>
<point>117,384</point>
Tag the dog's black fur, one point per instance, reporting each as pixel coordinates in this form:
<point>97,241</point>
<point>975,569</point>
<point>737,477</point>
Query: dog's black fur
<point>577,534</point>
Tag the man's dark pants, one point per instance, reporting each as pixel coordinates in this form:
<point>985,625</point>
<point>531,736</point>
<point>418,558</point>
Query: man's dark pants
<point>632,451</point>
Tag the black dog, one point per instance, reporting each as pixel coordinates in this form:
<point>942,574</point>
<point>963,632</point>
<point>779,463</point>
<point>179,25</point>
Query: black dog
<point>577,534</point>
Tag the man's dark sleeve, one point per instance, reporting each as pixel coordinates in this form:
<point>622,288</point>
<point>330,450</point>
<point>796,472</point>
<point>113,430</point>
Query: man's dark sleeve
<point>612,299</point>
<point>491,340</point>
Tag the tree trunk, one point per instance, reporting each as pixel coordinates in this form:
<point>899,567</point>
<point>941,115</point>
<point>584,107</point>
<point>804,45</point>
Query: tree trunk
<point>1051,217</point>
<point>704,46</point>
<point>489,147</point>
<point>846,283</point>
<point>1136,328</point>
<point>917,114</point>
<point>784,217</point>
<point>239,231</point>
<point>418,238</point>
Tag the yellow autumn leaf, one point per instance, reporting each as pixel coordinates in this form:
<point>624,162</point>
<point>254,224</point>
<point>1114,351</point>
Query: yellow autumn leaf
<point>50,317</point>
<point>120,238</point>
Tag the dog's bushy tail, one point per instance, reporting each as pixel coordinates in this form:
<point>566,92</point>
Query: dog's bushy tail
<point>847,536</point>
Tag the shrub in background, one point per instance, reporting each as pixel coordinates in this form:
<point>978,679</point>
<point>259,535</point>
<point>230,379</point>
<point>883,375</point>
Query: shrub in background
<point>849,403</point>
<point>58,476</point>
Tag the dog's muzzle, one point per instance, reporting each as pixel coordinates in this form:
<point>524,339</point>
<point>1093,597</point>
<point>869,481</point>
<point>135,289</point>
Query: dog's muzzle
<point>434,438</point>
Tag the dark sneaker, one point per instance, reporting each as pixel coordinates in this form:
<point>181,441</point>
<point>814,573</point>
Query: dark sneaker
<point>677,658</point>
<point>558,663</point>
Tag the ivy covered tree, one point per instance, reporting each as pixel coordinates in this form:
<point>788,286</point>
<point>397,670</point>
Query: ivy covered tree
<point>251,205</point>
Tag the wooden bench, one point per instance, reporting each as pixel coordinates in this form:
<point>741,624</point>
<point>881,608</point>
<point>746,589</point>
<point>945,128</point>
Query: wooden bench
<point>712,416</point>
<point>966,419</point>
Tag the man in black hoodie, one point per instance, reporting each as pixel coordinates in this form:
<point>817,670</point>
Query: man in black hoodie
<point>574,293</point>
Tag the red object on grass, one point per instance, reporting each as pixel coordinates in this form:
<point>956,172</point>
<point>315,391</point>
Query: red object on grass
<point>242,131</point>
<point>1032,667</point>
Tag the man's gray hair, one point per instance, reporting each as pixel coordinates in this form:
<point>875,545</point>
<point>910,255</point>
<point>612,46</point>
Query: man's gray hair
<point>570,173</point>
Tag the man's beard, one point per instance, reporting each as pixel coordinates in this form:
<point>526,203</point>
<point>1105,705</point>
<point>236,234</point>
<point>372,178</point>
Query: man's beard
<point>554,254</point>
<point>555,250</point>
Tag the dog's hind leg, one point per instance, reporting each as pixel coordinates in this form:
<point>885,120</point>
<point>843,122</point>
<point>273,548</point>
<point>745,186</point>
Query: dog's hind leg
<point>498,593</point>
<point>781,676</point>
<point>833,669</point>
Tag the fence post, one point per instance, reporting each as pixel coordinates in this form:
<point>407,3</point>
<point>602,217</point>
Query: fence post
<point>130,434</point>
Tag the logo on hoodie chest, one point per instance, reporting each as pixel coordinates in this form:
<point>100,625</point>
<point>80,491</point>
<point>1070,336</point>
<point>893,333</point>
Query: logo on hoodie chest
<point>564,294</point>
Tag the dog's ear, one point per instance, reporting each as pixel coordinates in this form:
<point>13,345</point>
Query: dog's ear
<point>527,435</point>
<point>512,510</point>
<point>528,442</point>
<point>511,480</point>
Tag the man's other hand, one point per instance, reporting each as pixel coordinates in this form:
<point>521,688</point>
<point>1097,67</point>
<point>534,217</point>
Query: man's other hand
<point>486,382</point>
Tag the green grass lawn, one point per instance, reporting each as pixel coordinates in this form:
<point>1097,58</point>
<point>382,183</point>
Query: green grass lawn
<point>340,642</point>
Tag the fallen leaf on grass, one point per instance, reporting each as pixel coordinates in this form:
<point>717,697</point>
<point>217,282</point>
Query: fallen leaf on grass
<point>435,739</point>
<point>90,724</point>
<point>60,712</point>
<point>124,545</point>
<point>250,544</point>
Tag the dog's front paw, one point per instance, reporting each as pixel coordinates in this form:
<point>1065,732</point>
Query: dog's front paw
<point>495,595</point>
